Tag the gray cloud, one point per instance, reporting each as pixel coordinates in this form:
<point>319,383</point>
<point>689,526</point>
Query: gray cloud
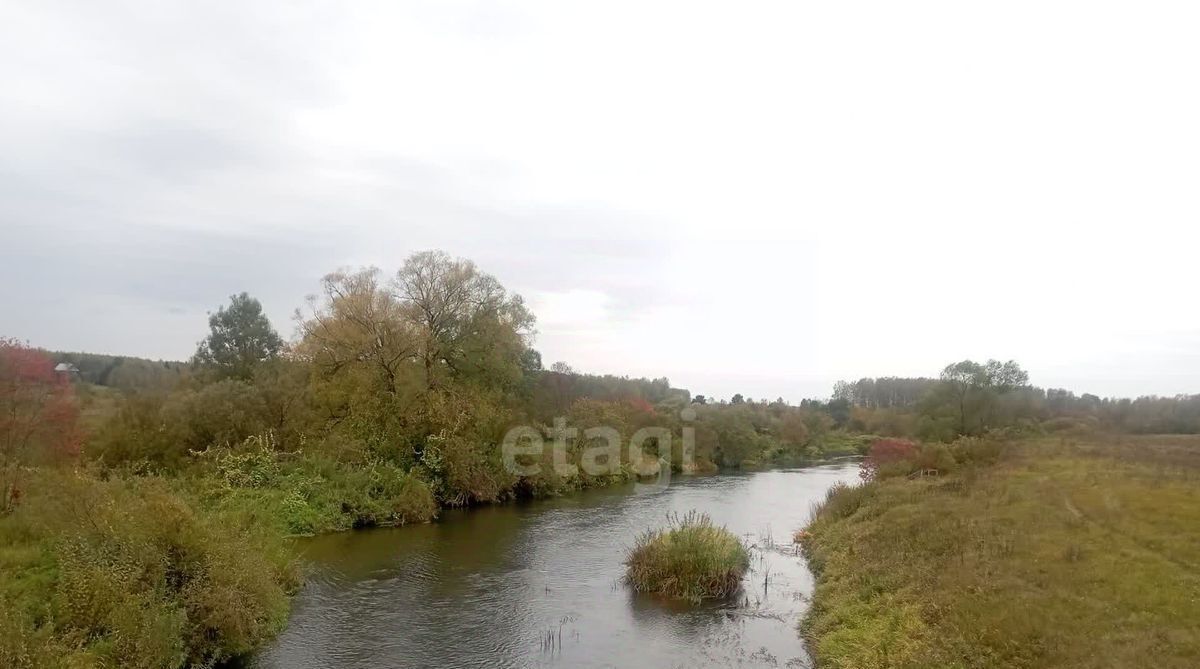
<point>157,157</point>
<point>151,169</point>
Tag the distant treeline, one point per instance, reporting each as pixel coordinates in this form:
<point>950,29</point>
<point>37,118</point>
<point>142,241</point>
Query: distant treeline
<point>124,372</point>
<point>900,406</point>
<point>885,392</point>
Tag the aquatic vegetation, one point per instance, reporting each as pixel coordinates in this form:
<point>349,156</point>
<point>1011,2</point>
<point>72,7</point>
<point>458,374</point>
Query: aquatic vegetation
<point>690,559</point>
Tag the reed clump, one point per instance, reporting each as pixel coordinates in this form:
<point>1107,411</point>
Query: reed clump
<point>690,559</point>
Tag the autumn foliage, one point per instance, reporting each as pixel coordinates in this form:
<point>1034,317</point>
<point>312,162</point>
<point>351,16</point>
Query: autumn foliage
<point>641,405</point>
<point>39,418</point>
<point>885,453</point>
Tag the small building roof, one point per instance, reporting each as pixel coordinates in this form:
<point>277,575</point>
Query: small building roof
<point>66,367</point>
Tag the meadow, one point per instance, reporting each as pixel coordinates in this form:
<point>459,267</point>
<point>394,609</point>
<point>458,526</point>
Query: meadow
<point>1061,552</point>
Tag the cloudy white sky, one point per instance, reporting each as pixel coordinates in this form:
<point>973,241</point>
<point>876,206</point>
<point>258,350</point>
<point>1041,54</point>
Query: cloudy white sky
<point>754,197</point>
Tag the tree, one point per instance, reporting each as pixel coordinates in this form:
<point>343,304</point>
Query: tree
<point>359,329</point>
<point>241,338</point>
<point>973,390</point>
<point>960,379</point>
<point>792,429</point>
<point>531,361</point>
<point>38,415</point>
<point>468,326</point>
<point>737,399</point>
<point>839,410</point>
<point>1005,377</point>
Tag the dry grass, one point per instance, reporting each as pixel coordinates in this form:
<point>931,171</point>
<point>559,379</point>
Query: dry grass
<point>1062,554</point>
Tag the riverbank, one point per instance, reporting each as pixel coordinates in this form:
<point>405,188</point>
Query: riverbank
<point>107,568</point>
<point>1066,553</point>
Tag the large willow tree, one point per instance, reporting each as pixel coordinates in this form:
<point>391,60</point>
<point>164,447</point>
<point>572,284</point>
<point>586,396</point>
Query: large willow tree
<point>421,366</point>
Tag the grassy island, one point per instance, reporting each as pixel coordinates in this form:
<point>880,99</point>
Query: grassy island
<point>690,559</point>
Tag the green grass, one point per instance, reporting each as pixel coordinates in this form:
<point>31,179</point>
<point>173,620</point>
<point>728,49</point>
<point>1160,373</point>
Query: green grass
<point>1060,554</point>
<point>690,559</point>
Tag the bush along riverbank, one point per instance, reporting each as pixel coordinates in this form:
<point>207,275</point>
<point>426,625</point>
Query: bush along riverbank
<point>122,572</point>
<point>1030,554</point>
<point>690,559</point>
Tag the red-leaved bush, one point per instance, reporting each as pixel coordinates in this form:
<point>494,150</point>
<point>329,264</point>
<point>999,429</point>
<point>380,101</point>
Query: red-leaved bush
<point>39,418</point>
<point>886,452</point>
<point>640,405</point>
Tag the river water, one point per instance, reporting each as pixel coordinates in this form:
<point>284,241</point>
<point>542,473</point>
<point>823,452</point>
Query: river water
<point>538,584</point>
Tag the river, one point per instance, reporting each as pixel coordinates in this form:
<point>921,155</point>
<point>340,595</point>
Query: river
<point>538,584</point>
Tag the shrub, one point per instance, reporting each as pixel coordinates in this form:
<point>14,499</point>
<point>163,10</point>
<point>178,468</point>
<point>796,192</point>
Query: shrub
<point>691,559</point>
<point>303,494</point>
<point>219,414</point>
<point>164,430</point>
<point>135,433</point>
<point>255,465</point>
<point>888,457</point>
<point>384,494</point>
<point>936,457</point>
<point>134,575</point>
<point>463,472</point>
<point>39,416</point>
<point>976,450</point>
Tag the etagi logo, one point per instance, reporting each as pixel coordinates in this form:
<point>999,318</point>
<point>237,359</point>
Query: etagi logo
<point>524,449</point>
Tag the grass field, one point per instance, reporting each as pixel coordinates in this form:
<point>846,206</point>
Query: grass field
<point>1066,553</point>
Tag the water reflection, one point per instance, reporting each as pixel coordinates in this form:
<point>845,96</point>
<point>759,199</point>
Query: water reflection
<point>539,584</point>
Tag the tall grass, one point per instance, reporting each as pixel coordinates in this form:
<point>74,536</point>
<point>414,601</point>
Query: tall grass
<point>690,559</point>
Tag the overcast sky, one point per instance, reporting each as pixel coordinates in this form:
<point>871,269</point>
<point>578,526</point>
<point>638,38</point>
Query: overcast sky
<point>754,197</point>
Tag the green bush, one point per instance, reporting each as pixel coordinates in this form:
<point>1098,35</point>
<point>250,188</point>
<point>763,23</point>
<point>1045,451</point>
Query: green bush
<point>384,494</point>
<point>129,573</point>
<point>306,494</point>
<point>135,433</point>
<point>463,472</point>
<point>691,559</point>
<point>163,431</point>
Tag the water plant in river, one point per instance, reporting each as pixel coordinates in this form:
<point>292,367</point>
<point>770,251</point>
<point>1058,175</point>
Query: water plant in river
<point>690,559</point>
